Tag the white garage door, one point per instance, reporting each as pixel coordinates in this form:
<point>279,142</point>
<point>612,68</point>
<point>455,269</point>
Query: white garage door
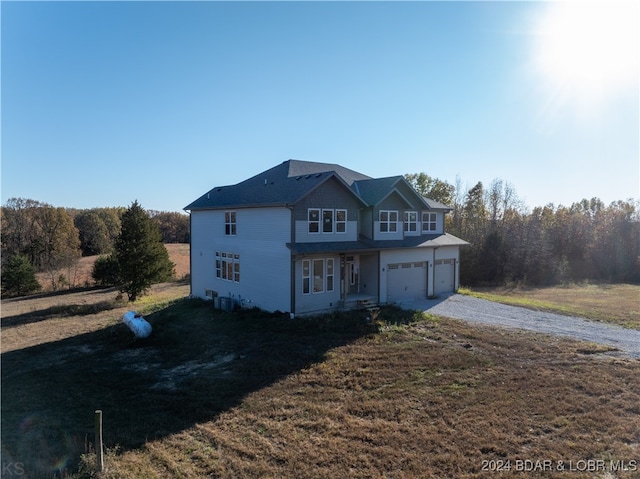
<point>444,276</point>
<point>406,281</point>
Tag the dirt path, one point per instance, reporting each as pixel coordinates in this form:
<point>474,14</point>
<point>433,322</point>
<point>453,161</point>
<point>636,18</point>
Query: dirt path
<point>486,312</point>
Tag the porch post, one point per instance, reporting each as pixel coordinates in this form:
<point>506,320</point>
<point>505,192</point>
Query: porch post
<point>343,282</point>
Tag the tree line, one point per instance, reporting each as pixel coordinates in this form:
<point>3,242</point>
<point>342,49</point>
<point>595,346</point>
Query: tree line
<point>511,244</point>
<point>46,239</point>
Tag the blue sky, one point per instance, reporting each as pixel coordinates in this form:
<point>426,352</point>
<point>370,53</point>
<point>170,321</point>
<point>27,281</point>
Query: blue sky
<point>104,103</point>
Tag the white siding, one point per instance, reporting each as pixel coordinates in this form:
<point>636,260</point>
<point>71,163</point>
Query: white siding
<point>260,240</point>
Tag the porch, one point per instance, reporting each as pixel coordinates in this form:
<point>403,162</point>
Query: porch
<point>360,301</point>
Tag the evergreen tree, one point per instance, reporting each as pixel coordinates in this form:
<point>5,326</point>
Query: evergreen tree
<point>19,277</point>
<point>142,258</point>
<point>106,271</point>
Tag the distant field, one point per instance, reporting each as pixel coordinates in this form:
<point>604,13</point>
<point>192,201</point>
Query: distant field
<point>80,274</point>
<point>213,394</point>
<point>612,303</point>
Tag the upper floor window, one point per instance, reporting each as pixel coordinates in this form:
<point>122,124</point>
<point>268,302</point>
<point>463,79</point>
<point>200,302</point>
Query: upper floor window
<point>314,220</point>
<point>410,221</point>
<point>327,221</point>
<point>341,221</point>
<point>230,223</point>
<point>388,221</point>
<point>333,221</point>
<point>428,222</point>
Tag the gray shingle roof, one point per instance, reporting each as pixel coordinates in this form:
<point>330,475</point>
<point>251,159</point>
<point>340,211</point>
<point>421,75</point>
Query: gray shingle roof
<point>303,168</point>
<point>280,185</point>
<point>366,244</point>
<point>289,181</point>
<point>434,205</point>
<point>373,190</point>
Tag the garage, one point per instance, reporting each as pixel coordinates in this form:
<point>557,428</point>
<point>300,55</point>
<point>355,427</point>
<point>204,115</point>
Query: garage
<point>406,281</point>
<point>444,276</point>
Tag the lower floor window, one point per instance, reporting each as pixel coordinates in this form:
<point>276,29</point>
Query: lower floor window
<point>317,275</point>
<point>228,266</point>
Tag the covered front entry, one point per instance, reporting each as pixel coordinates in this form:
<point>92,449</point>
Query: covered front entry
<point>406,281</point>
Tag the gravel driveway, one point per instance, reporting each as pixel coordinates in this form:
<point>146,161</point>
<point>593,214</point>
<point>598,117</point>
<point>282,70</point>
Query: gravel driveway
<point>487,312</point>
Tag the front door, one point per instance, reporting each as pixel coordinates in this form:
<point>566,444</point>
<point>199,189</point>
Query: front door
<point>353,275</point>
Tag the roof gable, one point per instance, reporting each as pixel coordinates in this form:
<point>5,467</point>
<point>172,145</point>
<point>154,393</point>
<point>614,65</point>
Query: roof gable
<point>290,181</point>
<point>283,184</point>
<point>304,168</point>
<point>374,191</point>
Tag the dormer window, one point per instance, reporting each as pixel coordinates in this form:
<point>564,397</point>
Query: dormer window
<point>327,221</point>
<point>429,222</point>
<point>341,221</point>
<point>388,221</point>
<point>410,221</point>
<point>314,220</point>
<point>230,223</point>
<point>333,220</point>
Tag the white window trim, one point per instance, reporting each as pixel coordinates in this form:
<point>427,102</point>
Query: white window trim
<point>306,276</point>
<point>327,270</point>
<point>336,224</point>
<point>389,222</point>
<point>341,222</point>
<point>228,266</point>
<point>321,271</point>
<point>332,218</point>
<point>316,222</point>
<point>408,222</point>
<point>329,262</point>
<point>432,221</point>
<point>230,225</point>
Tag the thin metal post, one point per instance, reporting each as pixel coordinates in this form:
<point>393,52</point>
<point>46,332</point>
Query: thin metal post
<point>99,447</point>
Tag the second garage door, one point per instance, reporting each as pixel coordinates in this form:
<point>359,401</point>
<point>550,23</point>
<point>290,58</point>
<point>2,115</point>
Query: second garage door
<point>444,276</point>
<point>406,281</point>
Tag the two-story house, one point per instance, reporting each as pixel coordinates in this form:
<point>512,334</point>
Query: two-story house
<point>306,237</point>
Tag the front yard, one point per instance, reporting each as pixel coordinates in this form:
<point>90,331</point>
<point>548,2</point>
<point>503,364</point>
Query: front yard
<point>214,394</point>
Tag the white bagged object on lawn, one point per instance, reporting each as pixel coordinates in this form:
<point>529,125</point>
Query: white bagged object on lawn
<point>137,324</point>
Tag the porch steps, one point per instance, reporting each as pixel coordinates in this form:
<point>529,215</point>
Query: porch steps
<point>373,308</point>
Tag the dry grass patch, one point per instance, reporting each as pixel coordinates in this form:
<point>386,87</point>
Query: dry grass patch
<point>79,275</point>
<point>222,395</point>
<point>612,303</point>
<point>48,318</point>
<point>423,400</point>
